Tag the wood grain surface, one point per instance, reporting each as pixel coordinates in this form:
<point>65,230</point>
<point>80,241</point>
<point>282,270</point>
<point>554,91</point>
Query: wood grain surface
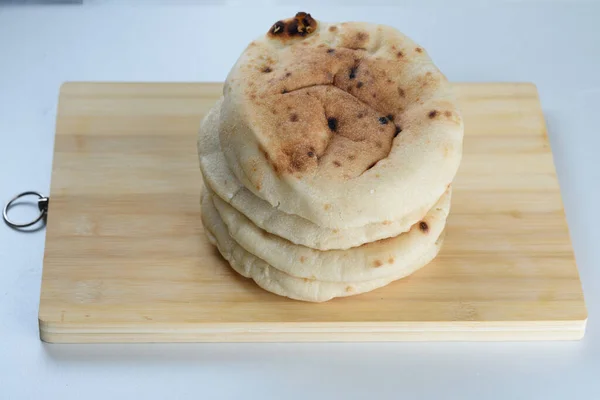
<point>126,258</point>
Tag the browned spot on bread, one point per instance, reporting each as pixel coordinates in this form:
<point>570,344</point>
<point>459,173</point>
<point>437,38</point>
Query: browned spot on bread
<point>377,263</point>
<point>432,114</point>
<point>386,222</point>
<point>447,113</point>
<point>423,227</point>
<point>401,92</point>
<point>374,95</point>
<point>391,260</point>
<point>288,74</point>
<point>337,163</point>
<point>258,186</point>
<point>351,156</point>
<point>399,54</point>
<point>359,85</point>
<point>266,70</point>
<point>277,29</point>
<point>299,26</point>
<point>360,115</point>
<point>371,166</point>
<point>349,289</point>
<point>336,231</point>
<point>362,36</point>
<point>332,123</point>
<point>418,50</point>
<point>390,117</point>
<point>352,73</point>
<point>383,120</point>
<point>330,51</point>
<point>294,117</point>
<point>284,91</point>
<point>397,131</point>
<point>327,207</point>
<point>378,144</point>
<point>333,28</point>
<point>302,259</point>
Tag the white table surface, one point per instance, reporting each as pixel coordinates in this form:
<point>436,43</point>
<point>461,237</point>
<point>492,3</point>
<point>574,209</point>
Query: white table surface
<point>554,45</point>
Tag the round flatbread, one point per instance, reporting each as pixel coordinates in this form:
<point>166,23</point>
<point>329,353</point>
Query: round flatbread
<point>280,283</point>
<point>341,124</point>
<point>370,261</point>
<point>296,229</point>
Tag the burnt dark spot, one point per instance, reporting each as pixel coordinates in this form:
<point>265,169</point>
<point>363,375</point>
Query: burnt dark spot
<point>390,117</point>
<point>294,117</point>
<point>401,92</point>
<point>284,91</point>
<point>423,227</point>
<point>332,123</point>
<point>383,120</point>
<point>277,28</point>
<point>330,51</point>
<point>398,130</point>
<point>432,114</point>
<point>371,166</point>
<point>374,95</point>
<point>399,54</point>
<point>266,70</point>
<point>337,163</point>
<point>306,21</point>
<point>310,154</point>
<point>359,85</point>
<point>288,74</point>
<point>352,74</point>
<point>292,28</point>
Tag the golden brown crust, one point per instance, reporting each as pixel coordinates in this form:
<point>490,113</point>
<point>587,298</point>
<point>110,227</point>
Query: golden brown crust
<point>332,108</point>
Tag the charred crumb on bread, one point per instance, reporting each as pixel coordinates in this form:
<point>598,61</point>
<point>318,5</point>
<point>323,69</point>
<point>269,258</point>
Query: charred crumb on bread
<point>299,26</point>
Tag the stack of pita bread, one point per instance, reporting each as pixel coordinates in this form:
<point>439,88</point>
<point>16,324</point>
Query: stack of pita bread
<point>328,161</point>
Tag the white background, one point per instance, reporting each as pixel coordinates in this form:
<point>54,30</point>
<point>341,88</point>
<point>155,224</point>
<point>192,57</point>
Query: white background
<point>555,45</point>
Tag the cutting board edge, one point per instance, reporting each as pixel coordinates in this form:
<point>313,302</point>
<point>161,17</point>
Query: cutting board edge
<point>52,332</point>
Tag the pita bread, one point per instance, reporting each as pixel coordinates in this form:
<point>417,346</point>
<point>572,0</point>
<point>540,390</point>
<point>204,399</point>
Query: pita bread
<point>296,229</point>
<point>280,283</point>
<point>344,125</point>
<point>380,259</point>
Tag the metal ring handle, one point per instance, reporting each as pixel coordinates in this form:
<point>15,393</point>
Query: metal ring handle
<point>42,205</point>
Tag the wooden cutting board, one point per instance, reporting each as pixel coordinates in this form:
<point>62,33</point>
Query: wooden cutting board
<point>126,258</point>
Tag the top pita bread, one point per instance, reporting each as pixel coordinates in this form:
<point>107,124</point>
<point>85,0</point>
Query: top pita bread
<point>342,124</point>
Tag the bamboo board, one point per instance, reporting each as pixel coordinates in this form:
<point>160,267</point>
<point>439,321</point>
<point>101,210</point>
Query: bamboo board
<point>126,258</point>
